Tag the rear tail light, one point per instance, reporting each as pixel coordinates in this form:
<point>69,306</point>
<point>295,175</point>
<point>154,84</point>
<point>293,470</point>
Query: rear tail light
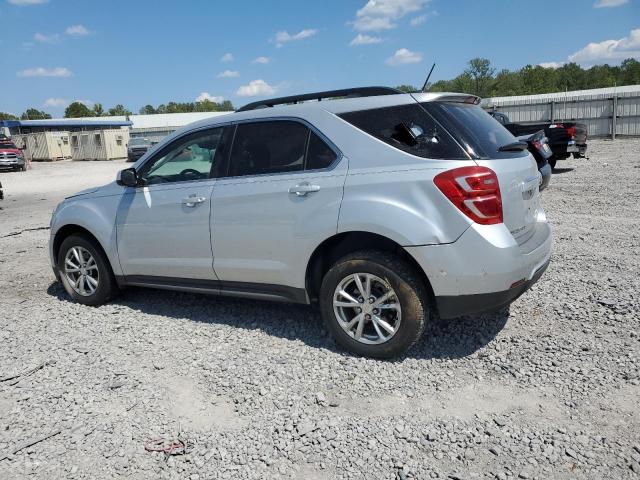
<point>571,131</point>
<point>537,144</point>
<point>474,191</point>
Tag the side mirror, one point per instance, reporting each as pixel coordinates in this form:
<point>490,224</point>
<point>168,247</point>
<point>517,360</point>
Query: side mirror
<point>128,178</point>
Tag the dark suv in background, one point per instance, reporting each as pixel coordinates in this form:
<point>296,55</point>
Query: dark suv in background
<point>137,148</point>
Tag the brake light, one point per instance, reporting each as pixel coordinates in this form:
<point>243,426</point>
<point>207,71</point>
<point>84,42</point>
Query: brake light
<point>571,131</point>
<point>474,191</point>
<point>537,144</point>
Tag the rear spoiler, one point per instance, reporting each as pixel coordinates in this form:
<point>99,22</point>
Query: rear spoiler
<point>460,98</point>
<point>447,97</point>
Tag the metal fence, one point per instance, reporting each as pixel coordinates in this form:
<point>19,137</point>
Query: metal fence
<point>607,112</point>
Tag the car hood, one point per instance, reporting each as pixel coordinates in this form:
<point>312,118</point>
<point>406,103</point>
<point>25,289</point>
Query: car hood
<point>99,191</point>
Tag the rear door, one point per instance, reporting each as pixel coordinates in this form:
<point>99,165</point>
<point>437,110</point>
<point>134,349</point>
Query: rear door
<point>279,198</point>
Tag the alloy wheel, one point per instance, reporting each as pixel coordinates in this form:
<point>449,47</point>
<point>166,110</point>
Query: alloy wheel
<point>81,271</point>
<point>367,308</point>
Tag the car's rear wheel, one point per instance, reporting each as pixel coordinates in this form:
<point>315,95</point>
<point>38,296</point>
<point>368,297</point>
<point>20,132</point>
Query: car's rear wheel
<point>374,304</point>
<point>85,271</point>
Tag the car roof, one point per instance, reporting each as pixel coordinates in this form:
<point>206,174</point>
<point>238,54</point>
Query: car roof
<point>334,106</point>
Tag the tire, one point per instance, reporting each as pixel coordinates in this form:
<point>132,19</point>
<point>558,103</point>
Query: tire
<point>390,271</point>
<point>102,274</point>
<point>552,162</point>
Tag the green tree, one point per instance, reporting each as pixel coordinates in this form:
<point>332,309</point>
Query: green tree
<point>77,110</point>
<point>147,110</point>
<point>480,72</point>
<point>119,110</point>
<point>34,114</point>
<point>7,116</point>
<point>629,72</point>
<point>98,111</point>
<point>407,88</point>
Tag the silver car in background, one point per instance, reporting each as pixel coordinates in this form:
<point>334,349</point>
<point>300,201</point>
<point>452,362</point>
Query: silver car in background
<point>383,208</point>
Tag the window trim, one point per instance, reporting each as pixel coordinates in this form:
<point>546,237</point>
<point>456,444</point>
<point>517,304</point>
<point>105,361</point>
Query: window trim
<point>323,137</point>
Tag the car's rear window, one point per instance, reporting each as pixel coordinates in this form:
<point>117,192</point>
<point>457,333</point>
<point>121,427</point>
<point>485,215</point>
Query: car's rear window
<point>479,133</point>
<point>408,128</point>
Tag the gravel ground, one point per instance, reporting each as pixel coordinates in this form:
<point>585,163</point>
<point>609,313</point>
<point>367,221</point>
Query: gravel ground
<point>548,389</point>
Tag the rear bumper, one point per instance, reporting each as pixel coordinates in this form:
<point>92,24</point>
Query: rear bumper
<point>485,268</point>
<point>545,171</point>
<point>456,306</point>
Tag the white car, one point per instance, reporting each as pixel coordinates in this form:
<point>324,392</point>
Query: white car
<point>383,208</point>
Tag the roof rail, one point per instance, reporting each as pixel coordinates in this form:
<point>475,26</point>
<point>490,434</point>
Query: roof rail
<point>347,92</point>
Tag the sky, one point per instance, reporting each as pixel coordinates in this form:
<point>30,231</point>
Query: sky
<point>140,52</point>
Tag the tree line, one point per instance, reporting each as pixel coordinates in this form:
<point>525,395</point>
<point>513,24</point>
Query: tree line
<point>479,78</point>
<point>482,79</point>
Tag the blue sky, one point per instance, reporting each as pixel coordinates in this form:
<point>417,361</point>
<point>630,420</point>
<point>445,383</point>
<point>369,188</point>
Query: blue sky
<point>151,51</point>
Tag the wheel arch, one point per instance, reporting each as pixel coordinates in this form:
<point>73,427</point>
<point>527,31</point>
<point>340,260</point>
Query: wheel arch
<point>341,244</point>
<point>71,229</point>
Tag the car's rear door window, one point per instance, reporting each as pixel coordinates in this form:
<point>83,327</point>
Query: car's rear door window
<point>265,147</point>
<point>319,154</point>
<point>408,128</point>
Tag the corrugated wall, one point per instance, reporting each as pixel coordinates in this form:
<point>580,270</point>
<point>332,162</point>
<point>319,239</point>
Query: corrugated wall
<point>596,110</point>
<point>43,146</point>
<point>108,144</point>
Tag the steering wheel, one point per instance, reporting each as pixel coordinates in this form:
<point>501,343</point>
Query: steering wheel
<point>190,173</point>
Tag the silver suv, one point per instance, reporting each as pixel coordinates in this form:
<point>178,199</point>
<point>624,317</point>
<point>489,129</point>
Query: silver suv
<point>381,207</point>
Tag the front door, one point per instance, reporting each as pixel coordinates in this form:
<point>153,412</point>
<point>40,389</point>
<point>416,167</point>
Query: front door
<point>278,200</point>
<point>163,226</point>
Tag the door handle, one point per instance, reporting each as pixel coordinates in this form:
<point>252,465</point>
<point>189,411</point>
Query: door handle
<point>193,200</point>
<point>303,188</point>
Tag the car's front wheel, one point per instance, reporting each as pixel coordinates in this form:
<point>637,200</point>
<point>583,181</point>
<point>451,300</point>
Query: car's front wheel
<point>374,304</point>
<point>85,271</point>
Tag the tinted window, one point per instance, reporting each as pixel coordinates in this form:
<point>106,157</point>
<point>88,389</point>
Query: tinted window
<point>408,128</point>
<point>479,133</point>
<point>319,155</point>
<point>186,159</point>
<point>268,147</point>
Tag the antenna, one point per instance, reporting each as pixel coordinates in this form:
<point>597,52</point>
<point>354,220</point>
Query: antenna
<point>426,82</point>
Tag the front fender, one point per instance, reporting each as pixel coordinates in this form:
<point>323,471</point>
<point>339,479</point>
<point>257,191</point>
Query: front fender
<point>97,216</point>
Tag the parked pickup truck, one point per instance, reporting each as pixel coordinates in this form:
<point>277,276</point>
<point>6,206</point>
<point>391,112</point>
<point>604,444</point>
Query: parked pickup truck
<point>565,138</point>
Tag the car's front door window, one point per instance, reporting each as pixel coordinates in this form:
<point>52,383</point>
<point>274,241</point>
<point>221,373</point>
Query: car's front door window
<point>186,159</point>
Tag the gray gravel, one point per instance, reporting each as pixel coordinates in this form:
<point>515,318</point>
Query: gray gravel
<point>548,389</point>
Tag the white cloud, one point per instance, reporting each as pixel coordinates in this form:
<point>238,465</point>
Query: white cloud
<point>378,15</point>
<point>22,3</point>
<point>255,88</point>
<point>285,37</point>
<point>263,60</point>
<point>227,57</point>
<point>553,65</point>
<point>403,57</point>
<point>608,50</point>
<point>45,72</point>
<point>419,20</point>
<point>206,96</point>
<point>362,39</point>
<point>229,74</point>
<point>42,38</point>
<point>55,102</point>
<point>77,30</point>
<point>609,3</point>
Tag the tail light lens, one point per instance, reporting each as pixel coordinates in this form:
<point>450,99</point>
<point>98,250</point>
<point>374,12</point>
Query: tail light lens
<point>474,191</point>
<point>571,131</point>
<point>537,144</point>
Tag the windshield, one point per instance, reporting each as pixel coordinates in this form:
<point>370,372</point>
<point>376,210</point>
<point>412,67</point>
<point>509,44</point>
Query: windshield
<point>480,133</point>
<point>136,142</point>
<point>7,145</point>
